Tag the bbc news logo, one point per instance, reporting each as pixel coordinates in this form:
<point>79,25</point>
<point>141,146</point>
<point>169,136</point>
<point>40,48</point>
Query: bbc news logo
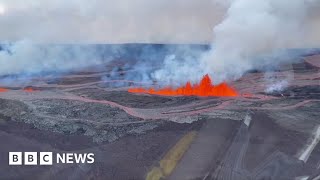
<point>47,158</point>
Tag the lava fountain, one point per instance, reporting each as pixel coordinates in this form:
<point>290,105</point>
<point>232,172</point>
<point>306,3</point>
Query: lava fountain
<point>204,88</point>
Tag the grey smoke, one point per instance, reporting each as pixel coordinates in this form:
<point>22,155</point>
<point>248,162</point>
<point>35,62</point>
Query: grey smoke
<point>254,34</point>
<point>277,82</point>
<point>146,59</point>
<point>277,86</point>
<point>27,58</point>
<point>109,21</point>
<point>24,60</point>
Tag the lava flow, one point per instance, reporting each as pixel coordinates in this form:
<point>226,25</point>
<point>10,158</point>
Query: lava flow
<point>29,89</point>
<point>3,90</point>
<point>205,88</point>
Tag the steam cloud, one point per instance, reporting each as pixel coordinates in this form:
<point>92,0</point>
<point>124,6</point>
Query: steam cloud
<point>253,35</point>
<point>276,83</point>
<point>25,57</point>
<point>109,21</point>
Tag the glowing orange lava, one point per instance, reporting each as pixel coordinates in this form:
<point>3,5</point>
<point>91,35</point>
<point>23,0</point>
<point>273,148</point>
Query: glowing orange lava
<point>3,90</point>
<point>29,89</point>
<point>205,88</point>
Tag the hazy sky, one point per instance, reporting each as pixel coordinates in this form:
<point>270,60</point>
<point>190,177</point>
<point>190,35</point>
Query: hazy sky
<point>247,34</point>
<point>110,21</point>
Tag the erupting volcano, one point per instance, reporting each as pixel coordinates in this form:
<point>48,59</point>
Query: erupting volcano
<point>204,88</point>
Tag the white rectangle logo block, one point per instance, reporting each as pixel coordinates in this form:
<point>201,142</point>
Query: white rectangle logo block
<point>45,158</point>
<point>30,158</point>
<point>15,158</point>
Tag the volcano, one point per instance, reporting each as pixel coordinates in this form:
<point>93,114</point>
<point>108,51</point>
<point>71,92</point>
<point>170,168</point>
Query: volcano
<point>109,111</point>
<point>204,88</point>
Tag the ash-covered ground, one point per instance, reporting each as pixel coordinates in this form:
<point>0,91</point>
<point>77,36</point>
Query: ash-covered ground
<point>259,135</point>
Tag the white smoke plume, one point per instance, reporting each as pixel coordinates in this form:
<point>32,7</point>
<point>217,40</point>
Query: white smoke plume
<point>277,86</point>
<point>277,82</point>
<point>253,35</point>
<point>109,21</point>
<point>27,58</point>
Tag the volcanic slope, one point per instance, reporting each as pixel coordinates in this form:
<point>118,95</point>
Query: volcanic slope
<point>243,137</point>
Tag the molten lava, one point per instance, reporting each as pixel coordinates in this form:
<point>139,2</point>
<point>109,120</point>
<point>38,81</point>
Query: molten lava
<point>3,90</point>
<point>29,89</point>
<point>205,88</point>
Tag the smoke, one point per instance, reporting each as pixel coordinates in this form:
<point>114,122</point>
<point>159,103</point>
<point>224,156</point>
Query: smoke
<point>25,59</point>
<point>277,82</point>
<point>145,59</point>
<point>46,22</point>
<point>109,21</point>
<point>277,86</point>
<point>253,35</point>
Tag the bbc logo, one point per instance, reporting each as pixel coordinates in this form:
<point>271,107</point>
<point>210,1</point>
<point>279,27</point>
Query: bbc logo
<point>46,158</point>
<point>30,158</point>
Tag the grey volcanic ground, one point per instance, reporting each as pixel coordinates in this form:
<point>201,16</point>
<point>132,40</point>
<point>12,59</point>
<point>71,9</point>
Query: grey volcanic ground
<point>258,136</point>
